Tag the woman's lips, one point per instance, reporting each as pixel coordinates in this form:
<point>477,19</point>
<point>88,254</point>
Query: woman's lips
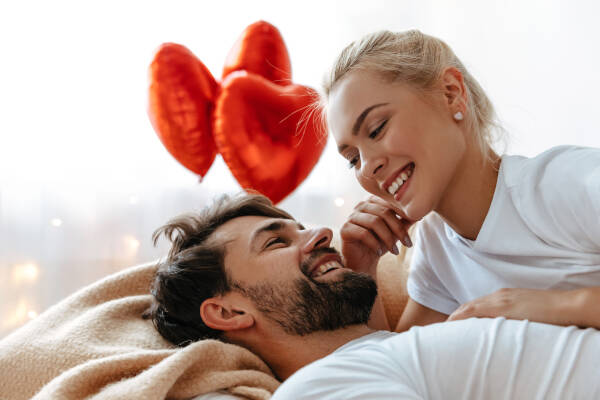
<point>397,184</point>
<point>404,187</point>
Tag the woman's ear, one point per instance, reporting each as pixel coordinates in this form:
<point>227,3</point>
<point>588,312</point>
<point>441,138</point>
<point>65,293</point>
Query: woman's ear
<point>221,314</point>
<point>454,89</point>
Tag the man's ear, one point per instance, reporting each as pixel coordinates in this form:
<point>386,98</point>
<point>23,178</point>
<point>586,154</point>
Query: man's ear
<point>454,89</point>
<point>221,314</point>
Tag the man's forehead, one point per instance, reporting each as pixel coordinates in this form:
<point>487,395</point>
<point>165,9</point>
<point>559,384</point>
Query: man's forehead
<point>239,228</point>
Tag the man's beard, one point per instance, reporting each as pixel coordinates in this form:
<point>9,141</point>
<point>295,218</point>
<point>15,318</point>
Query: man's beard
<point>305,305</point>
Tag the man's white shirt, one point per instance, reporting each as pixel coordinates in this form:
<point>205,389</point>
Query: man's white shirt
<point>471,359</point>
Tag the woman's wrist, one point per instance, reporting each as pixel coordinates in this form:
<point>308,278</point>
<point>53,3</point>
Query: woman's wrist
<point>581,307</point>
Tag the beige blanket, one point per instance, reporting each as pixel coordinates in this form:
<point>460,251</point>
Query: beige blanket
<point>95,345</point>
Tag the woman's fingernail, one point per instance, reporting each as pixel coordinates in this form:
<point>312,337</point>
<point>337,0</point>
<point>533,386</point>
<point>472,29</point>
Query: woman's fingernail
<point>395,250</point>
<point>379,252</point>
<point>407,242</point>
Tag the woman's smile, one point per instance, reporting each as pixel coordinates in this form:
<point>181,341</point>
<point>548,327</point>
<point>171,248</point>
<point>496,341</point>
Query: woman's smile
<point>397,184</point>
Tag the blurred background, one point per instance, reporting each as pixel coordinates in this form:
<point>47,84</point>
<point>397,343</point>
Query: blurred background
<point>84,179</point>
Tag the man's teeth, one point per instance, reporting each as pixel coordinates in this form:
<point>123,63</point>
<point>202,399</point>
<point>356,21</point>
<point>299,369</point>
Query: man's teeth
<point>323,268</point>
<point>397,184</point>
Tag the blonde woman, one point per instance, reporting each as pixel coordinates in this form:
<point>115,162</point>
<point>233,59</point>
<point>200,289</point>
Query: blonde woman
<point>499,235</point>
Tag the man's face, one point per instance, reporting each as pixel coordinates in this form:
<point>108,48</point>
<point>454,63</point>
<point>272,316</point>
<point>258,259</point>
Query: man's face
<point>292,275</point>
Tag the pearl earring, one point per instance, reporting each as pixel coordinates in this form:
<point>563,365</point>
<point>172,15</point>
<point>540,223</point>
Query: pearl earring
<point>458,116</point>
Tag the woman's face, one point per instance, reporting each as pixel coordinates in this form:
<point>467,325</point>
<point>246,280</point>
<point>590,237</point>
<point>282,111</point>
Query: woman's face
<point>405,147</point>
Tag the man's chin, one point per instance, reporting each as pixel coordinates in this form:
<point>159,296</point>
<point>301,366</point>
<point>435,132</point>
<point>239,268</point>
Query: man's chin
<point>335,300</point>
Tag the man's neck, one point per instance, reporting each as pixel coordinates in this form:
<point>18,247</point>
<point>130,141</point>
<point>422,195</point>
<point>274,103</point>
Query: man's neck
<point>286,353</point>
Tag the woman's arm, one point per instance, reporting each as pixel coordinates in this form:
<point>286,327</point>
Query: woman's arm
<point>579,307</point>
<point>586,307</point>
<point>378,320</point>
<point>571,211</point>
<point>416,314</point>
<point>370,231</point>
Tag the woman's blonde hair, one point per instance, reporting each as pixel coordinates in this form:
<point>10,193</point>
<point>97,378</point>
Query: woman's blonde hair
<point>416,59</point>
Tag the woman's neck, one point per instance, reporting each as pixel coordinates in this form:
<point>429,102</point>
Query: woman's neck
<point>467,199</point>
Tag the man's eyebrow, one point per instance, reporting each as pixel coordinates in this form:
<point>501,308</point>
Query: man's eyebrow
<point>357,124</point>
<point>270,227</point>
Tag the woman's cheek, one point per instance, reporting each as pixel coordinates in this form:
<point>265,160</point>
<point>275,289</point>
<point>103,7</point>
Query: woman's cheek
<point>369,185</point>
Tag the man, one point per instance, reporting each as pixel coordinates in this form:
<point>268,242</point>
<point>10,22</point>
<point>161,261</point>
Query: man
<point>246,272</point>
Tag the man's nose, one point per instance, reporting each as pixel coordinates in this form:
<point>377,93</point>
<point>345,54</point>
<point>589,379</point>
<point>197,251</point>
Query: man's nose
<point>317,238</point>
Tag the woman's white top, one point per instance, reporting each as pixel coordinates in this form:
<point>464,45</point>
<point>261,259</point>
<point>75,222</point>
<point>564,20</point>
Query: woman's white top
<point>542,231</point>
<point>489,359</point>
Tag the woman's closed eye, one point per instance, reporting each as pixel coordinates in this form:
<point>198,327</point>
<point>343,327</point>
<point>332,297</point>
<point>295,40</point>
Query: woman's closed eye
<point>375,132</point>
<point>352,161</point>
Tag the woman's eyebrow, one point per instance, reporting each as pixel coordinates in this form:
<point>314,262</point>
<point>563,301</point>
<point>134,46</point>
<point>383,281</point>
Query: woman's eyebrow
<point>362,116</point>
<point>359,121</point>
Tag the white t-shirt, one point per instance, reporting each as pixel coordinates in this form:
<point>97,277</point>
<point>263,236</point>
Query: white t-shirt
<point>469,359</point>
<point>542,231</point>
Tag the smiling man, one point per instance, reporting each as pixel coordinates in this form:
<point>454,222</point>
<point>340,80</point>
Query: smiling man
<point>245,272</point>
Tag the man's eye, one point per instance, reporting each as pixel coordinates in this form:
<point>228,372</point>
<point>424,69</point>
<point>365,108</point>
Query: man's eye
<point>274,241</point>
<point>377,130</point>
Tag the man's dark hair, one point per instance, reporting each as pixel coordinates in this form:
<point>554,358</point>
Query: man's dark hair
<point>194,269</point>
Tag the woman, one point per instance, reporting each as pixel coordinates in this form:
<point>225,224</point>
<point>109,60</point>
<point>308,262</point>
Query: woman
<point>499,236</point>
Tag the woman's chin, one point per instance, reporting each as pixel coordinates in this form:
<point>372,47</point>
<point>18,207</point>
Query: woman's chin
<point>412,210</point>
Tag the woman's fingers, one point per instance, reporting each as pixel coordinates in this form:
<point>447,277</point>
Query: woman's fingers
<point>352,233</point>
<point>403,222</point>
<point>371,230</point>
<point>379,208</point>
<point>384,203</point>
<point>379,222</point>
<point>382,225</point>
<point>375,227</point>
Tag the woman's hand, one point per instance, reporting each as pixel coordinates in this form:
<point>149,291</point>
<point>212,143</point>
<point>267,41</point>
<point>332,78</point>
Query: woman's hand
<point>560,307</point>
<point>371,230</point>
<point>535,305</point>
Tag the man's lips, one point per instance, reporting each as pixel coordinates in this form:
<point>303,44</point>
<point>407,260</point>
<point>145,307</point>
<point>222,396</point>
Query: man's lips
<point>323,260</point>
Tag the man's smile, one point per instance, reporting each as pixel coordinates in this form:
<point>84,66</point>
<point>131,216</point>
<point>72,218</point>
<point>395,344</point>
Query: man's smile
<point>331,260</point>
<point>326,268</point>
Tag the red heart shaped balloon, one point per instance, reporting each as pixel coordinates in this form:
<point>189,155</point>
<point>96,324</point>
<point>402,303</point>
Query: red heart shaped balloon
<point>260,50</point>
<point>182,95</point>
<point>266,134</point>
<point>257,117</point>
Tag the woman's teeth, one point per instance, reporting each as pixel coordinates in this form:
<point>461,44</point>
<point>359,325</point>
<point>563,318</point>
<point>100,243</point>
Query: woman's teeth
<point>323,268</point>
<point>397,184</point>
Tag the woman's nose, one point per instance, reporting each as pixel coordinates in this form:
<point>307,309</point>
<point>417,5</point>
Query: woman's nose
<point>371,167</point>
<point>317,238</point>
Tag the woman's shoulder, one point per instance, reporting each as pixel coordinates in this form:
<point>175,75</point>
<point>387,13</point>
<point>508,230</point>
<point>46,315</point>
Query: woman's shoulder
<point>555,166</point>
<point>557,191</point>
<point>433,232</point>
<point>431,224</point>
